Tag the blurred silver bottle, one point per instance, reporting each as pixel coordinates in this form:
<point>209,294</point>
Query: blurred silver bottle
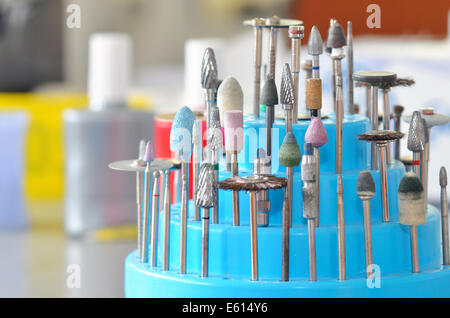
<point>97,197</point>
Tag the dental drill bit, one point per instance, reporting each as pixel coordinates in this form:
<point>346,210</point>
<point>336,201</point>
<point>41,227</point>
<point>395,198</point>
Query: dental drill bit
<point>374,79</point>
<point>148,158</point>
<point>382,138</point>
<point>253,185</point>
<point>196,159</point>
<point>154,217</point>
<point>365,189</point>
<point>341,228</point>
<point>398,110</point>
<point>416,141</point>
<point>165,264</point>
<point>261,170</point>
<point>285,238</point>
<point>351,106</point>
<point>296,33</point>
<point>287,96</point>
<point>258,24</point>
<point>215,140</point>
<point>206,198</point>
<point>229,97</point>
<point>310,205</point>
<point>317,136</point>
<point>315,49</point>
<point>335,42</point>
<point>139,190</point>
<point>430,119</point>
<point>269,97</point>
<point>209,80</point>
<point>234,143</point>
<point>444,215</point>
<point>181,143</point>
<point>289,156</point>
<point>411,211</point>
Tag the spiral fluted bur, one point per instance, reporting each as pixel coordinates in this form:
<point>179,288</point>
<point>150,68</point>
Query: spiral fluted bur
<point>206,191</point>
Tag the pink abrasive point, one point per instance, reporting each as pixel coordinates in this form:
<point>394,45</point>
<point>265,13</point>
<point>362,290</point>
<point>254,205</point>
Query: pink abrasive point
<point>316,133</point>
<point>234,133</point>
<point>148,157</point>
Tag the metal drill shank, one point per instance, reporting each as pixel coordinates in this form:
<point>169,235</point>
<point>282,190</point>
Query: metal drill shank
<point>154,222</point>
<point>445,234</point>
<point>205,241</point>
<point>165,265</point>
<point>339,116</point>
<point>258,45</point>
<point>235,194</point>
<point>184,212</point>
<point>374,120</point>
<point>367,236</point>
<point>384,183</point>
<point>145,228</point>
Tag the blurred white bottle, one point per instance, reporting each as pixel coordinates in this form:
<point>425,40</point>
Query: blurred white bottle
<point>97,197</point>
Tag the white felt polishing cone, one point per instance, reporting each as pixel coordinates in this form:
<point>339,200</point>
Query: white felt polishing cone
<point>229,97</point>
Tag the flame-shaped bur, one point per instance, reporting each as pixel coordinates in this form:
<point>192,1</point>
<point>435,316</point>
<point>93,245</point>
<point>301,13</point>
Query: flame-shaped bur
<point>234,132</point>
<point>215,138</point>
<point>411,205</point>
<point>289,154</point>
<point>309,189</point>
<point>206,191</point>
<point>365,186</point>
<point>315,44</point>
<point>443,177</point>
<point>142,145</point>
<point>336,35</point>
<point>181,132</point>
<point>209,70</point>
<point>269,94</point>
<point>416,133</point>
<point>316,133</point>
<point>287,86</point>
<point>149,156</point>
<point>229,97</point>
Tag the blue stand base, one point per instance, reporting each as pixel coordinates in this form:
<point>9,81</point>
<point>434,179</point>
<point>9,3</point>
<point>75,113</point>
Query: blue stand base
<point>141,281</point>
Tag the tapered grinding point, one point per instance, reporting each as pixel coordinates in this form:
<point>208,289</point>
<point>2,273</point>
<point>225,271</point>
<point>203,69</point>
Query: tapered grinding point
<point>215,137</point>
<point>336,35</point>
<point>443,177</point>
<point>148,156</point>
<point>209,70</point>
<point>313,93</point>
<point>316,133</point>
<point>229,96</point>
<point>234,133</point>
<point>181,132</point>
<point>416,133</point>
<point>206,194</point>
<point>315,44</point>
<point>411,200</point>
<point>269,95</point>
<point>365,186</point>
<point>289,154</point>
<point>287,86</point>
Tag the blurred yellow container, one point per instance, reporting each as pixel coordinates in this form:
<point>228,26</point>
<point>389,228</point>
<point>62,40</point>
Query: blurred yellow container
<point>44,153</point>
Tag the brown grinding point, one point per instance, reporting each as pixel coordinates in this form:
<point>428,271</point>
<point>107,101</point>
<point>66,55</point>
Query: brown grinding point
<point>313,93</point>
